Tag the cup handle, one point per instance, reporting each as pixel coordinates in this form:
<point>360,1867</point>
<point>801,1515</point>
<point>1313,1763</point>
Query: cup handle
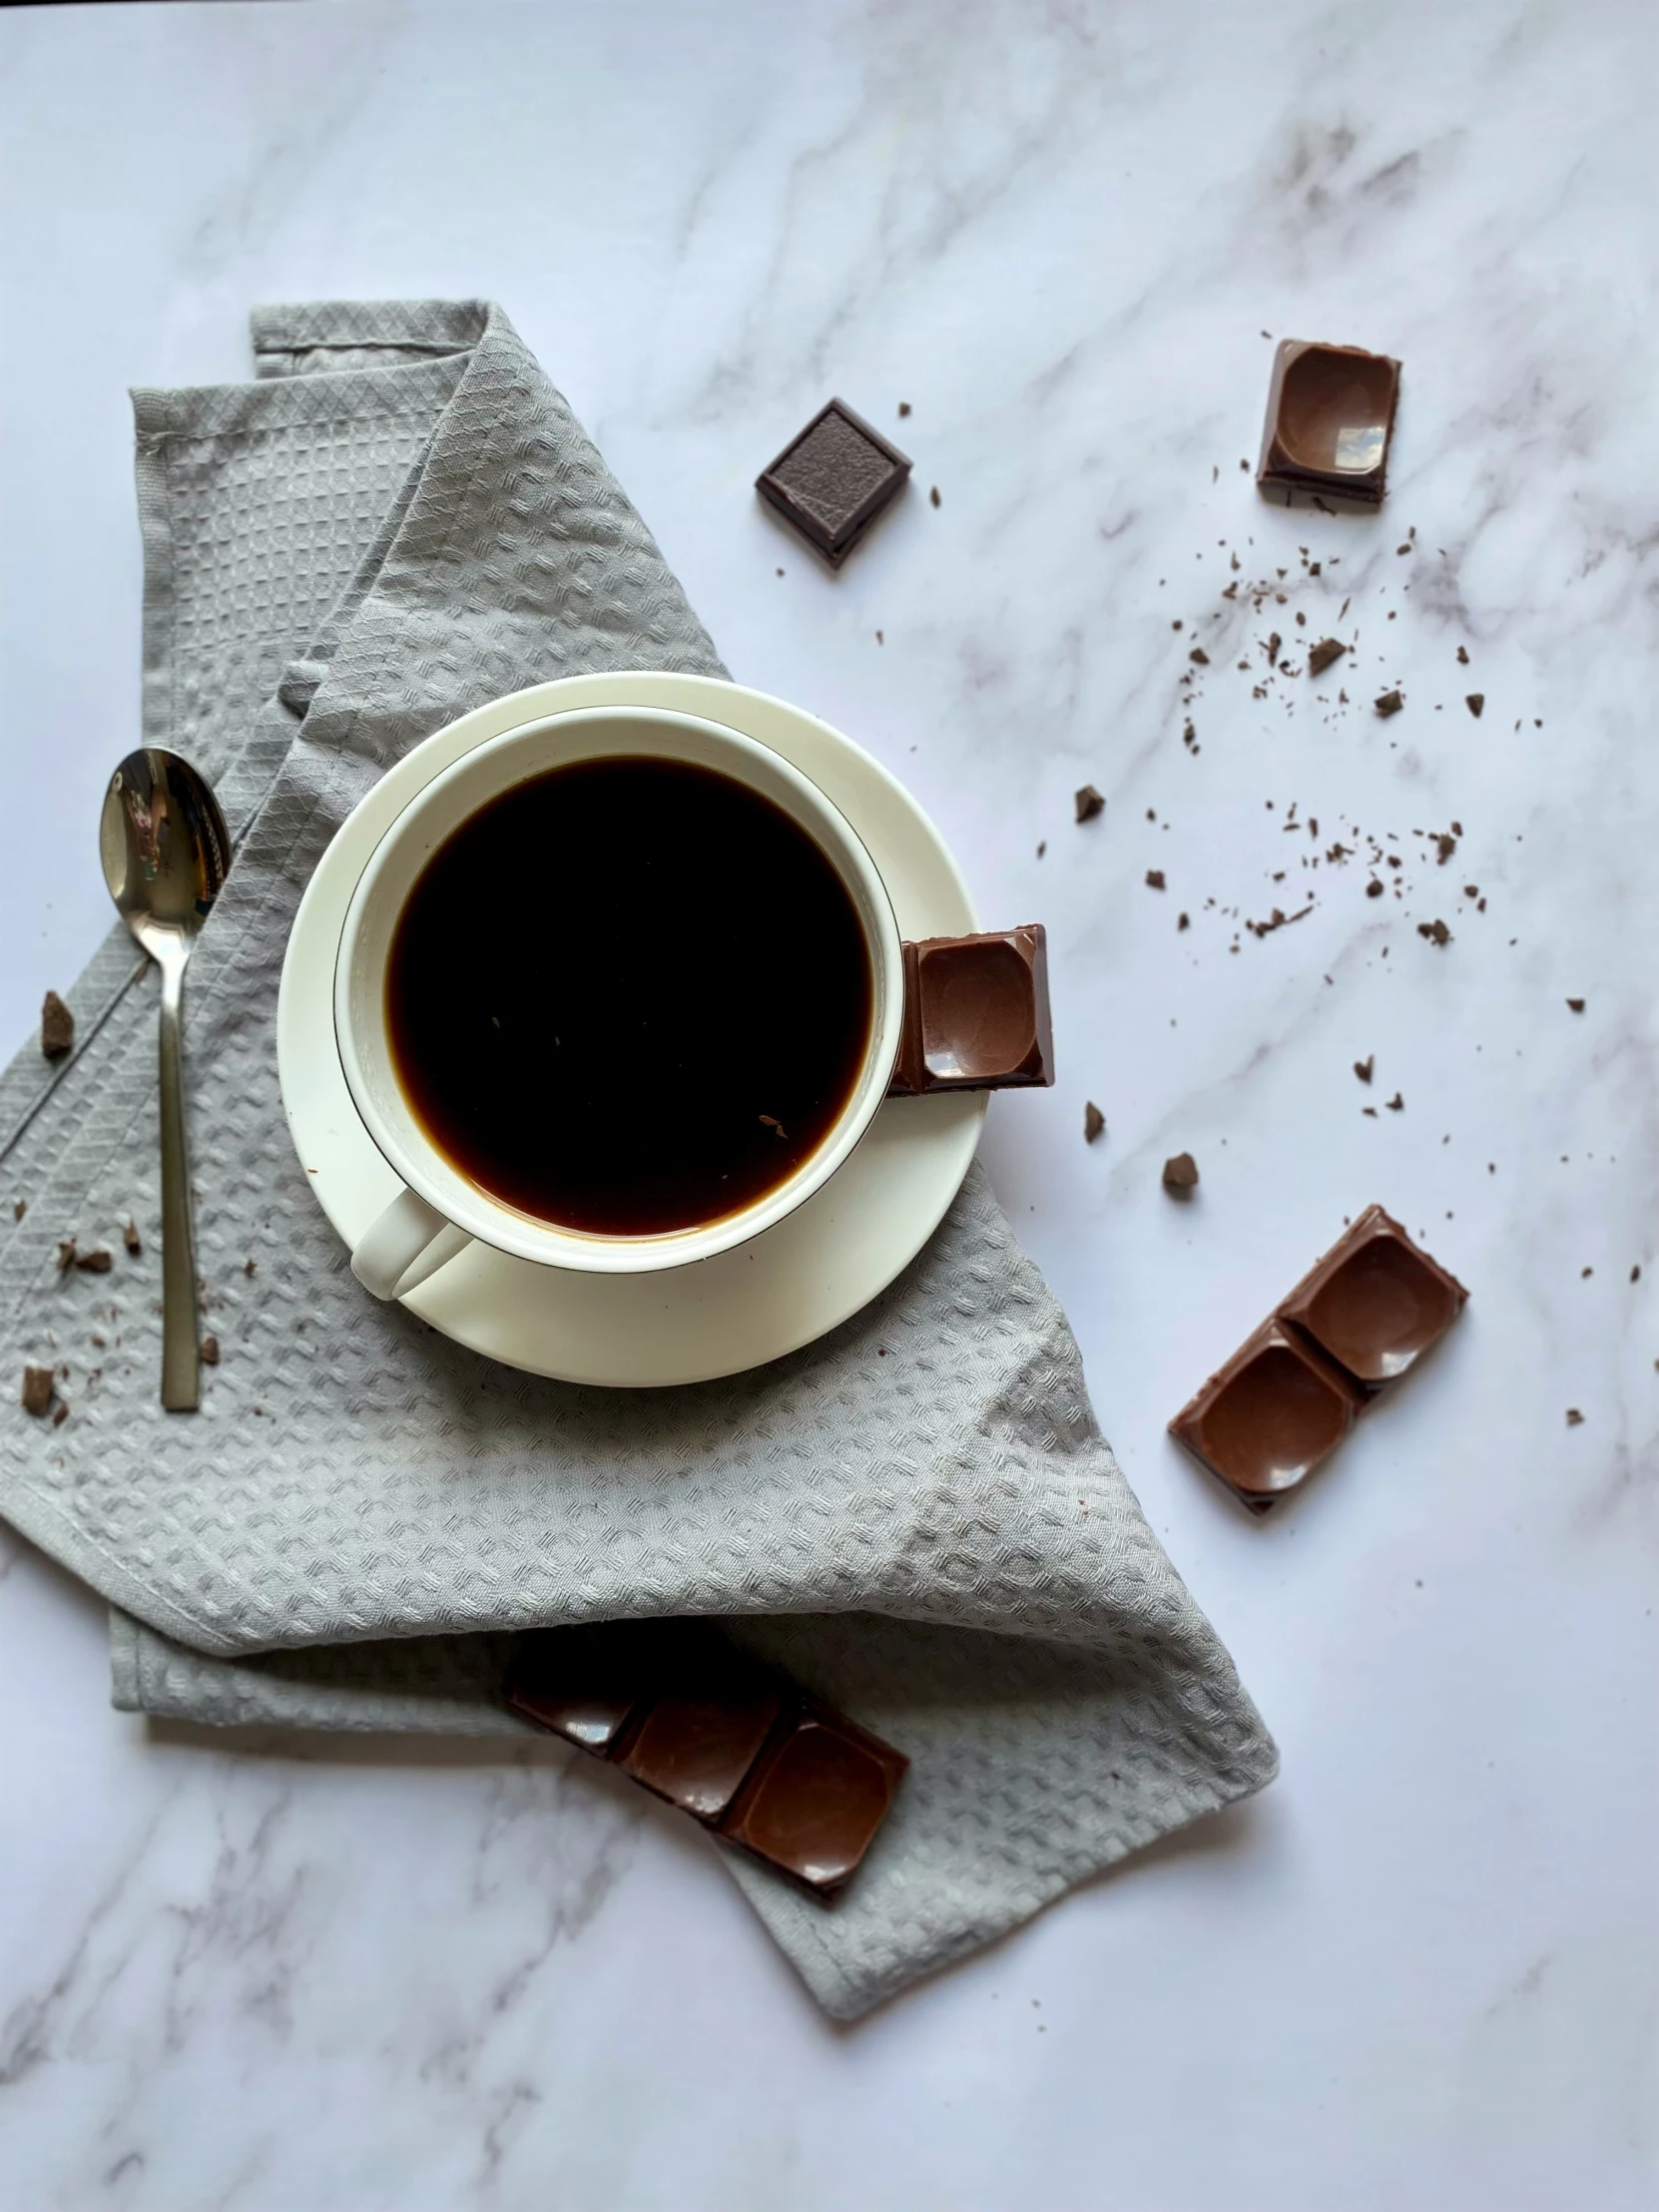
<point>403,1246</point>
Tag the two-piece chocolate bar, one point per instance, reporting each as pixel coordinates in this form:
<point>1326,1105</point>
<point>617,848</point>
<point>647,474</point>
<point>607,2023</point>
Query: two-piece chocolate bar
<point>681,1711</point>
<point>1357,1321</point>
<point>976,1014</point>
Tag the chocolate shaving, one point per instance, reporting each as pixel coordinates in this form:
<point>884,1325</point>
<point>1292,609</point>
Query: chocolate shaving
<point>57,1027</point>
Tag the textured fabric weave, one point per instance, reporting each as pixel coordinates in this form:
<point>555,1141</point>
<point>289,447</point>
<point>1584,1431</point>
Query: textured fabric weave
<point>396,522</point>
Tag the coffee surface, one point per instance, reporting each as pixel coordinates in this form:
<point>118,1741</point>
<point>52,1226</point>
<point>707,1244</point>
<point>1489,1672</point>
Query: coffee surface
<point>629,996</point>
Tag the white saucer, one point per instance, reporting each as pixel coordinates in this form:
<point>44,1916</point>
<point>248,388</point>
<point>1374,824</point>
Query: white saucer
<point>720,1316</point>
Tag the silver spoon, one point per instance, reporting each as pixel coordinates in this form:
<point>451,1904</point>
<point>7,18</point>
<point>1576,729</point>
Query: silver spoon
<point>166,851</point>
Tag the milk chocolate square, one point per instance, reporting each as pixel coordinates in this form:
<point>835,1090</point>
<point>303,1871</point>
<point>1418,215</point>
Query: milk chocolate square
<point>815,1800</point>
<point>1266,1420</point>
<point>1377,1302</point>
<point>976,1013</point>
<point>833,479</point>
<point>1331,415</point>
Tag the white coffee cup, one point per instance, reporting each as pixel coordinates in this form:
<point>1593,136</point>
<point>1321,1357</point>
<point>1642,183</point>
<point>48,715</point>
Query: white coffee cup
<point>440,1209</point>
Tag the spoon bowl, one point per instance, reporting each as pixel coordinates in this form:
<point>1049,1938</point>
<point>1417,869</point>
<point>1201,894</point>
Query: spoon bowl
<point>166,853</point>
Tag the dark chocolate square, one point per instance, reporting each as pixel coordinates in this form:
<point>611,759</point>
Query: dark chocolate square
<point>976,1013</point>
<point>1266,1420</point>
<point>815,1801</point>
<point>1330,420</point>
<point>835,479</point>
<point>1377,1302</point>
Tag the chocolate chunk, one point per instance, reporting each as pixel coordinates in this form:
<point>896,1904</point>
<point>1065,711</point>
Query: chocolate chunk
<point>94,1262</point>
<point>1374,889</point>
<point>132,1240</point>
<point>1155,878</point>
<point>1321,655</point>
<point>1089,802</point>
<point>1094,1121</point>
<point>1390,704</point>
<point>674,1705</point>
<point>57,1027</point>
<point>1198,655</point>
<point>37,1389</point>
<point>1356,1322</point>
<point>976,1013</point>
<point>209,1351</point>
<point>1474,702</point>
<point>1577,1005</point>
<point>1266,1420</point>
<point>1331,412</point>
<point>833,479</point>
<point>813,1804</point>
<point>1436,931</point>
<point>1181,1173</point>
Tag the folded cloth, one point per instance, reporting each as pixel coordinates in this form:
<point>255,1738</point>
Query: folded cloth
<point>398,522</point>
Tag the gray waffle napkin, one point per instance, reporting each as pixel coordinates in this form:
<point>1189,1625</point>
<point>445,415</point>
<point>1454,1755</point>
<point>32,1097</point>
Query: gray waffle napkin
<point>398,522</point>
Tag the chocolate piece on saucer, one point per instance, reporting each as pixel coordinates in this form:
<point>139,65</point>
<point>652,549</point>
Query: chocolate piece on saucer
<point>976,1013</point>
<point>677,1707</point>
<point>1266,1420</point>
<point>1377,1302</point>
<point>1331,414</point>
<point>833,479</point>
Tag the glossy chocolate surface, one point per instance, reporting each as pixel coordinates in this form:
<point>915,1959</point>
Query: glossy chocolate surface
<point>816,1801</point>
<point>1266,1420</point>
<point>1331,413</point>
<point>677,1708</point>
<point>1358,1320</point>
<point>1376,1301</point>
<point>976,1013</point>
<point>833,479</point>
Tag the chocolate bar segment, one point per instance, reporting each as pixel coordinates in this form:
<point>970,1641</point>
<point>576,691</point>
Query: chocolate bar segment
<point>677,1708</point>
<point>815,1803</point>
<point>1331,414</point>
<point>833,479</point>
<point>1377,1302</point>
<point>1265,1421</point>
<point>976,1013</point>
<point>1356,1322</point>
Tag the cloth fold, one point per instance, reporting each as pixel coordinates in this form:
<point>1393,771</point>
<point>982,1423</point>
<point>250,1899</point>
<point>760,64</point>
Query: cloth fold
<point>917,1515</point>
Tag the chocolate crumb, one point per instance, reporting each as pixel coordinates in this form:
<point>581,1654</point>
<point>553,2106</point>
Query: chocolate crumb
<point>1390,704</point>
<point>1635,1275</point>
<point>210,1345</point>
<point>1396,1104</point>
<point>1363,1068</point>
<point>94,1262</point>
<point>1321,655</point>
<point>1402,549</point>
<point>247,1266</point>
<point>66,1256</point>
<point>1577,1005</point>
<point>1374,889</point>
<point>1445,845</point>
<point>933,495</point>
<point>1089,802</point>
<point>1042,848</point>
<point>904,406</point>
<point>1474,702</point>
<point>57,1027</point>
<point>1463,655</point>
<point>1198,655</point>
<point>1574,1417</point>
<point>1180,1173</point>
<point>1094,1121</point>
<point>61,1415</point>
<point>1183,921</point>
<point>19,1209</point>
<point>1155,878</point>
<point>132,1240</point>
<point>1436,931</point>
<point>37,1389</point>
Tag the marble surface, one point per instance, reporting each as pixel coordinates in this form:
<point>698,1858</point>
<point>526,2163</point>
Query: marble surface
<point>1421,1970</point>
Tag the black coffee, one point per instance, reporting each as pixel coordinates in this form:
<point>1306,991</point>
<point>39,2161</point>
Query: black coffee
<point>629,996</point>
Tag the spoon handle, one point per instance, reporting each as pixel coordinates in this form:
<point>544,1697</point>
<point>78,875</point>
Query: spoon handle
<point>181,1326</point>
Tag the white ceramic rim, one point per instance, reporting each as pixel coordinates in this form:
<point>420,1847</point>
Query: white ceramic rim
<point>432,816</point>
